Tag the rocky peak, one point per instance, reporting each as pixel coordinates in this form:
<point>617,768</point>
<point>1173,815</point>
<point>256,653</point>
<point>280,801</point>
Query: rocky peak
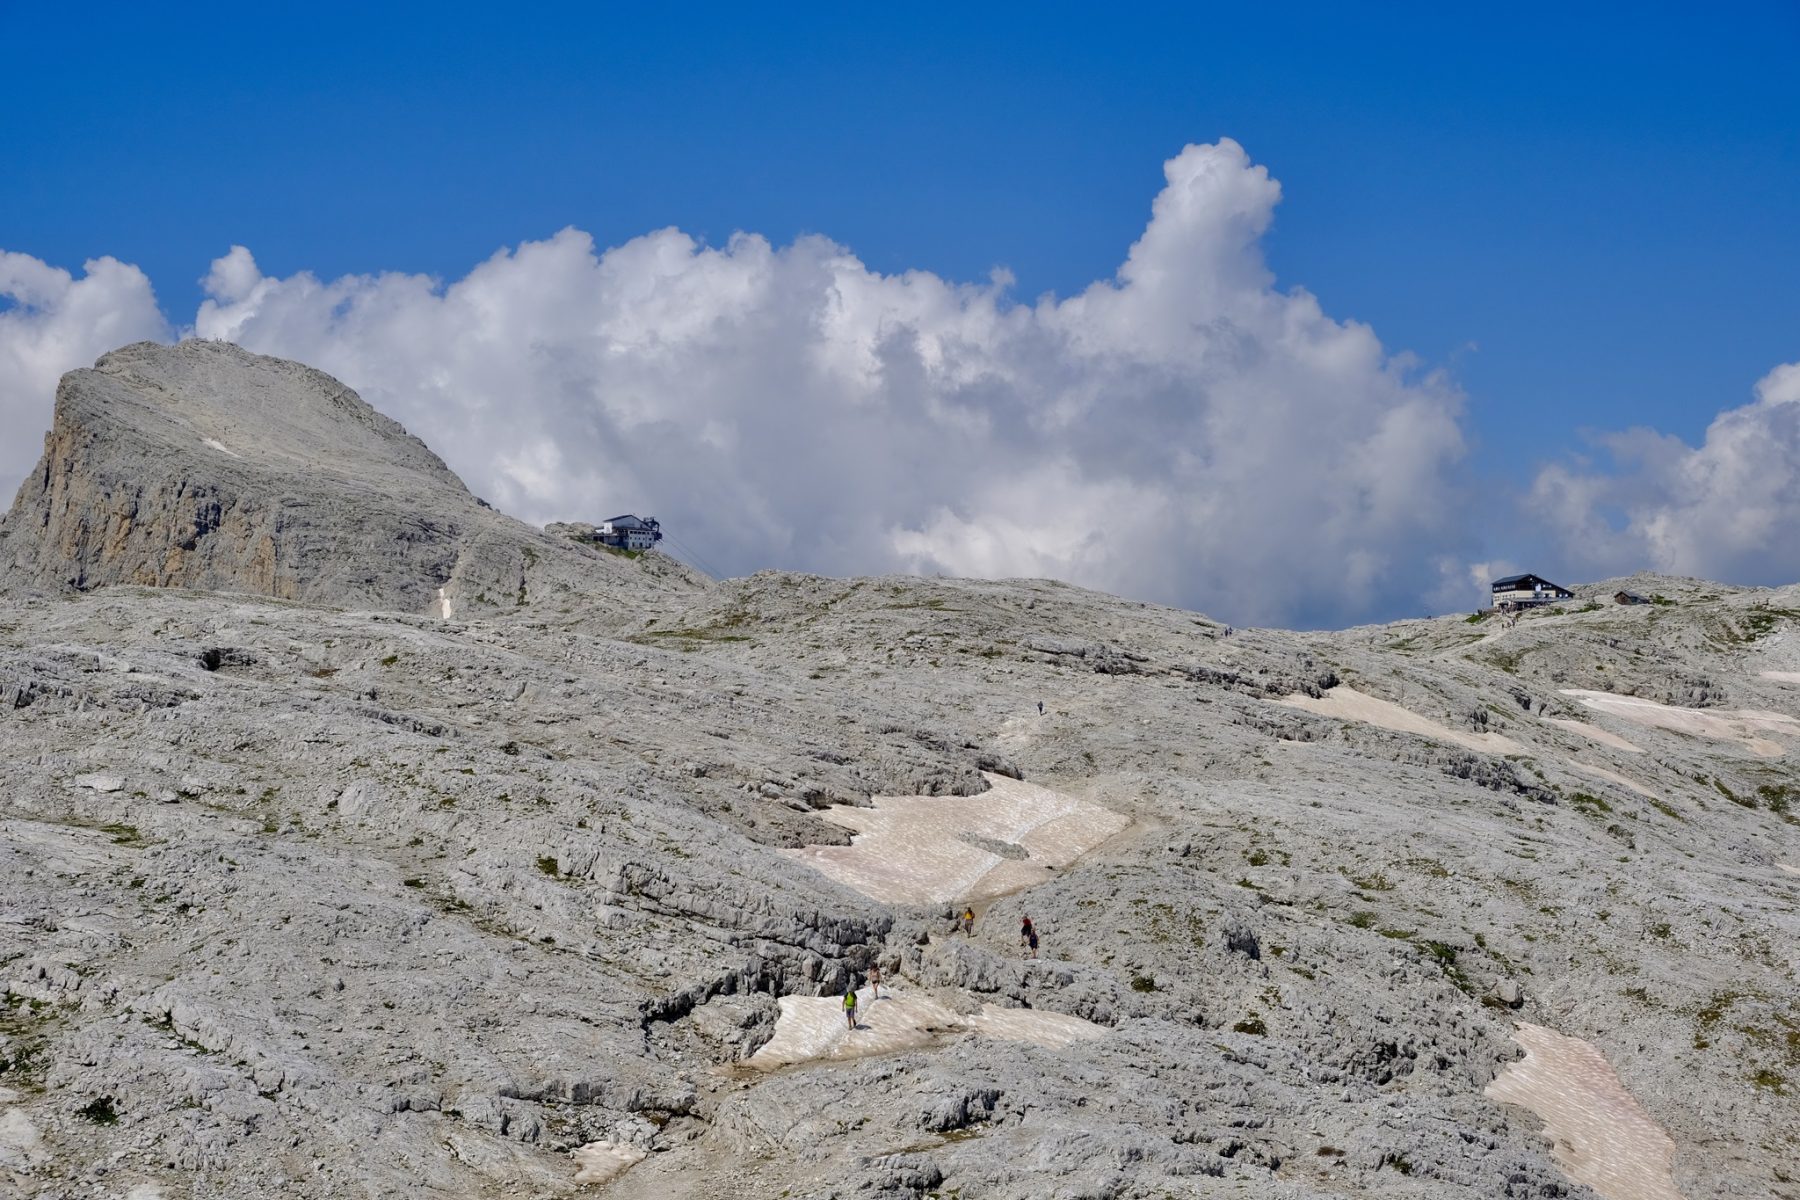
<point>202,465</point>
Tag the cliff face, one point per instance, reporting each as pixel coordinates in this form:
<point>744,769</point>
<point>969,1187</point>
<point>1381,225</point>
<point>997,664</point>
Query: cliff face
<point>202,465</point>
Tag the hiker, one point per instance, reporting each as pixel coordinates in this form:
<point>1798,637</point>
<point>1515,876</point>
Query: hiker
<point>1025,929</point>
<point>850,1006</point>
<point>968,921</point>
<point>1031,938</point>
<point>1040,708</point>
<point>874,981</point>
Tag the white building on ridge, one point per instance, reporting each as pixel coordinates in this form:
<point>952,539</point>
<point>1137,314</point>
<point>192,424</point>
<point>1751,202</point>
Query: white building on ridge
<point>1527,591</point>
<point>629,532</point>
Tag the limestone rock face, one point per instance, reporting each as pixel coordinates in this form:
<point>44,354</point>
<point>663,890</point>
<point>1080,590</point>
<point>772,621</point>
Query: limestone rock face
<point>202,465</point>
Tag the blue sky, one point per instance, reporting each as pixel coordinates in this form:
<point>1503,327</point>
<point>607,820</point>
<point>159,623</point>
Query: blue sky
<point>1591,219</point>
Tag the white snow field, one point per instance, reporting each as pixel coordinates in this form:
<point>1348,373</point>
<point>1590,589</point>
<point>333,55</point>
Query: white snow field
<point>1613,776</point>
<point>1594,733</point>
<point>602,1162</point>
<point>20,1141</point>
<point>1347,704</point>
<point>1599,1135</point>
<point>813,1028</point>
<point>927,849</point>
<point>1741,726</point>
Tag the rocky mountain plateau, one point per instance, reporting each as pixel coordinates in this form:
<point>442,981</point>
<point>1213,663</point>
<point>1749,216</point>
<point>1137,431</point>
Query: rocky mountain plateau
<point>357,840</point>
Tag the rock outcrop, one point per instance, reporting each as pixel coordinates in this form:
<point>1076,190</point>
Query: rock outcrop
<point>202,465</point>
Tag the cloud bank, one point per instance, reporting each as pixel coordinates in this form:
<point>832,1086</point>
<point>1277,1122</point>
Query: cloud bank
<point>1185,431</point>
<point>1726,509</point>
<point>51,322</point>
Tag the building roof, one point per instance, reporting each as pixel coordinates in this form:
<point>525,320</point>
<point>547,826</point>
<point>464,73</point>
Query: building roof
<point>1514,580</point>
<point>630,521</point>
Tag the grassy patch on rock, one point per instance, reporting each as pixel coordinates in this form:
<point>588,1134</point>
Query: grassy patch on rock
<point>99,1110</point>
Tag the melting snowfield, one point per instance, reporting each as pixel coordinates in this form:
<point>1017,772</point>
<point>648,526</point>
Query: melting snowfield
<point>20,1142</point>
<point>813,1028</point>
<point>1782,676</point>
<point>602,1162</point>
<point>1611,776</point>
<point>935,849</point>
<point>1348,704</point>
<point>1594,733</point>
<point>1741,726</point>
<point>1600,1137</point>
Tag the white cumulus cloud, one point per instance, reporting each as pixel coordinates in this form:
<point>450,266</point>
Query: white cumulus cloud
<point>50,323</point>
<point>1185,431</point>
<point>1726,509</point>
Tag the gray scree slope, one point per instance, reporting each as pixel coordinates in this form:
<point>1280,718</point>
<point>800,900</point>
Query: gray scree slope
<point>306,891</point>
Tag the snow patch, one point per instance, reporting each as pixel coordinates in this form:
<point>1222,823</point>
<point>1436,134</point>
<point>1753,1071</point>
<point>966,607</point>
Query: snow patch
<point>1052,1030</point>
<point>221,447</point>
<point>1600,1137</point>
<point>603,1162</point>
<point>1593,732</point>
<point>813,1028</point>
<point>1741,726</point>
<point>1347,704</point>
<point>445,608</point>
<point>1782,676</point>
<point>911,849</point>
<point>20,1141</point>
<point>1612,776</point>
